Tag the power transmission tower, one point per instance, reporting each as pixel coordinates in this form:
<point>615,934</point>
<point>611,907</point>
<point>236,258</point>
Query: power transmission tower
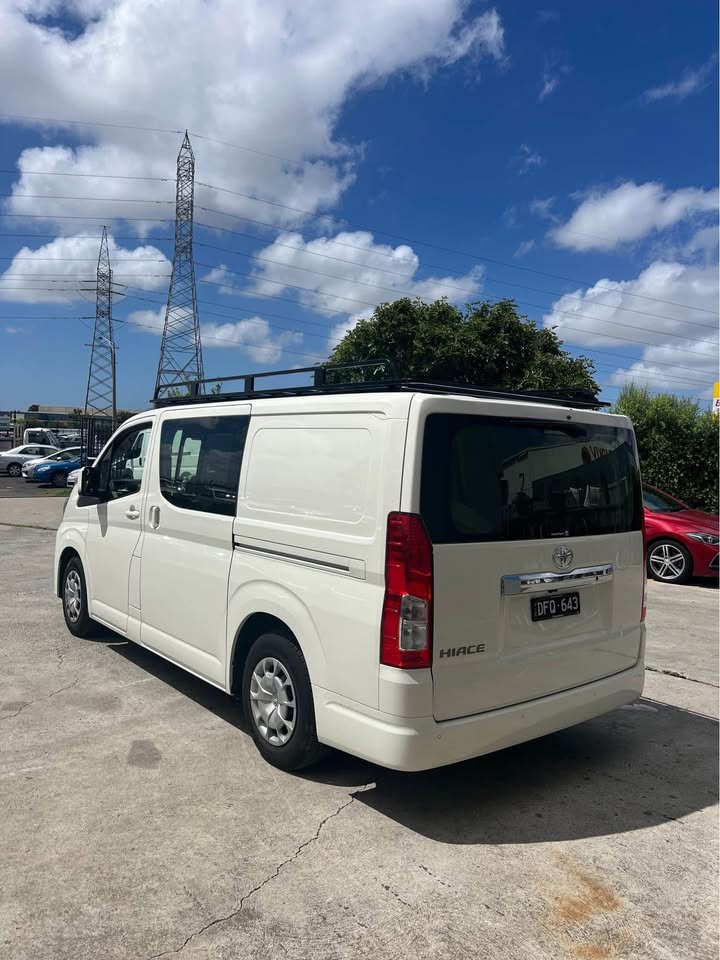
<point>100,399</point>
<point>181,350</point>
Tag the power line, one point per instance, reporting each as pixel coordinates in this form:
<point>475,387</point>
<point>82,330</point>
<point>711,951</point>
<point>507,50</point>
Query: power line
<point>339,314</point>
<point>396,291</point>
<point>438,283</point>
<point>340,222</point>
<point>310,356</point>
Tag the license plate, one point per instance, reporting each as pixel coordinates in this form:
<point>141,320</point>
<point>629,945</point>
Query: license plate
<point>549,608</point>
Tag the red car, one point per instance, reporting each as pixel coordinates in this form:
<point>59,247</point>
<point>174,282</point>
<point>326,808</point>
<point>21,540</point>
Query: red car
<point>681,542</point>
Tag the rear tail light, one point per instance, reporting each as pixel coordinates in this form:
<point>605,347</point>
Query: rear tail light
<point>406,632</point>
<point>643,612</point>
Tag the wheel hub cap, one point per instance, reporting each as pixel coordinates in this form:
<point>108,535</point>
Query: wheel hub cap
<point>73,596</point>
<point>272,700</point>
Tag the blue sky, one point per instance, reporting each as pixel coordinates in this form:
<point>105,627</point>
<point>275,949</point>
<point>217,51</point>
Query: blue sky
<point>569,150</point>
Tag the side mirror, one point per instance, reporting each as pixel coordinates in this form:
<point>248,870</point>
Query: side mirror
<point>89,485</point>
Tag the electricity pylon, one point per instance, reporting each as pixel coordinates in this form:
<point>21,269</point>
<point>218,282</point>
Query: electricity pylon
<point>181,349</point>
<point>100,398</point>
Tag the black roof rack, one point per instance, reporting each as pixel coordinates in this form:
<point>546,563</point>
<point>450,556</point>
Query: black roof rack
<point>578,397</point>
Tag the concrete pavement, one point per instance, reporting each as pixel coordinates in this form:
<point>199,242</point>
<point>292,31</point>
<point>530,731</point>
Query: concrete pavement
<point>139,821</point>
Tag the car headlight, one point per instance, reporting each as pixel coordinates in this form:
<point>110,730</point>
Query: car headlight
<point>712,539</point>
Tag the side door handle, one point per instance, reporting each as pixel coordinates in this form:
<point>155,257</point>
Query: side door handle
<point>132,513</point>
<point>154,517</point>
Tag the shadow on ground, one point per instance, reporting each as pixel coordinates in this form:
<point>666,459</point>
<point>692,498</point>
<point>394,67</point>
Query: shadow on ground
<point>642,765</point>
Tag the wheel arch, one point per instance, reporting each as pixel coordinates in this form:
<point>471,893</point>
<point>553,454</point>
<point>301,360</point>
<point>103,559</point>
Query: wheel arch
<point>261,606</point>
<point>68,553</point>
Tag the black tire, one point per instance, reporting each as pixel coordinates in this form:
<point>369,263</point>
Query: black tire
<point>77,619</point>
<point>301,749</point>
<point>14,469</point>
<point>669,562</point>
<point>59,479</point>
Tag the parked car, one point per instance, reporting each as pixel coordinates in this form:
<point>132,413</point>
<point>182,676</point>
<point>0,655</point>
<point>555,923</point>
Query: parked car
<point>414,574</point>
<point>72,477</point>
<point>71,453</point>
<point>55,471</point>
<point>681,542</point>
<point>11,461</point>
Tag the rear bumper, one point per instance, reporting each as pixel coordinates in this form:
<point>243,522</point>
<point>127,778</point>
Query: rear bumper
<point>421,743</point>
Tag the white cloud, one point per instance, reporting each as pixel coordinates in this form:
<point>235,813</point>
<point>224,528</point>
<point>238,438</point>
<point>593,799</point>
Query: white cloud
<point>524,248</point>
<point>151,321</point>
<point>369,273</point>
<point>692,81</point>
<point>14,330</point>
<point>222,278</point>
<point>681,366</point>
<point>609,218</point>
<point>525,160</point>
<point>270,77</point>
<point>510,216</point>
<point>55,272</point>
<point>703,242</point>
<point>599,308</point>
<point>671,332</point>
<point>543,208</point>
<point>253,336</point>
<point>551,76</point>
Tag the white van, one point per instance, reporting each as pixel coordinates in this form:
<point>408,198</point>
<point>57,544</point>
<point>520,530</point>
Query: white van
<point>413,573</point>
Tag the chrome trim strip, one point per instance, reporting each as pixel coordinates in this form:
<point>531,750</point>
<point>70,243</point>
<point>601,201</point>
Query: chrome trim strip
<point>519,583</point>
<point>353,568</point>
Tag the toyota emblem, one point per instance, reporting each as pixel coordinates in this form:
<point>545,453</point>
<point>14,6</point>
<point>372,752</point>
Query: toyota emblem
<point>562,557</point>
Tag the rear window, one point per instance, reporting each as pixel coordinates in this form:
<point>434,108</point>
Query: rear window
<point>490,479</point>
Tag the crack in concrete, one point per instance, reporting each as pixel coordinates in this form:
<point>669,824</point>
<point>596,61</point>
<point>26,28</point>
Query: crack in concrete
<point>234,913</point>
<point>48,696</point>
<point>680,676</point>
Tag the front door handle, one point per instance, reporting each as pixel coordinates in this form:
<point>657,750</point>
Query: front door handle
<point>154,517</point>
<point>132,514</point>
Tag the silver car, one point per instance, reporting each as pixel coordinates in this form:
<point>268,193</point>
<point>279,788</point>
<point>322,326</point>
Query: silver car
<point>11,461</point>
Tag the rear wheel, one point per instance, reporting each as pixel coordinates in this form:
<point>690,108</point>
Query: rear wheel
<point>14,469</point>
<point>74,598</point>
<point>278,703</point>
<point>58,480</point>
<point>669,562</point>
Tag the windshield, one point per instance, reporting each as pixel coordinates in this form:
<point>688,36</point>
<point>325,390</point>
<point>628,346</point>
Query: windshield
<point>659,502</point>
<point>491,479</point>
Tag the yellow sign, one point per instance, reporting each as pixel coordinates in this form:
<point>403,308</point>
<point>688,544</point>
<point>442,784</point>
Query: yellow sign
<point>716,398</point>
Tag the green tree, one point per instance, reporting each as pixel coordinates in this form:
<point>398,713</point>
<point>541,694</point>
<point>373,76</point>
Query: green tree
<point>217,389</point>
<point>677,442</point>
<point>33,408</point>
<point>489,344</point>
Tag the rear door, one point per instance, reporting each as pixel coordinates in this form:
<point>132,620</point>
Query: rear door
<point>535,515</point>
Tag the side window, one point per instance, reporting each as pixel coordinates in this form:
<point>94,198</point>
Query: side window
<point>200,460</point>
<point>122,467</point>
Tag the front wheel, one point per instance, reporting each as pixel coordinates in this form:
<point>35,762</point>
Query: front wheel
<point>59,480</point>
<point>278,703</point>
<point>14,470</point>
<point>75,600</point>
<point>669,562</point>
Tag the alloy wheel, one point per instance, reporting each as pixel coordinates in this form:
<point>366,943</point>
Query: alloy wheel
<point>667,561</point>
